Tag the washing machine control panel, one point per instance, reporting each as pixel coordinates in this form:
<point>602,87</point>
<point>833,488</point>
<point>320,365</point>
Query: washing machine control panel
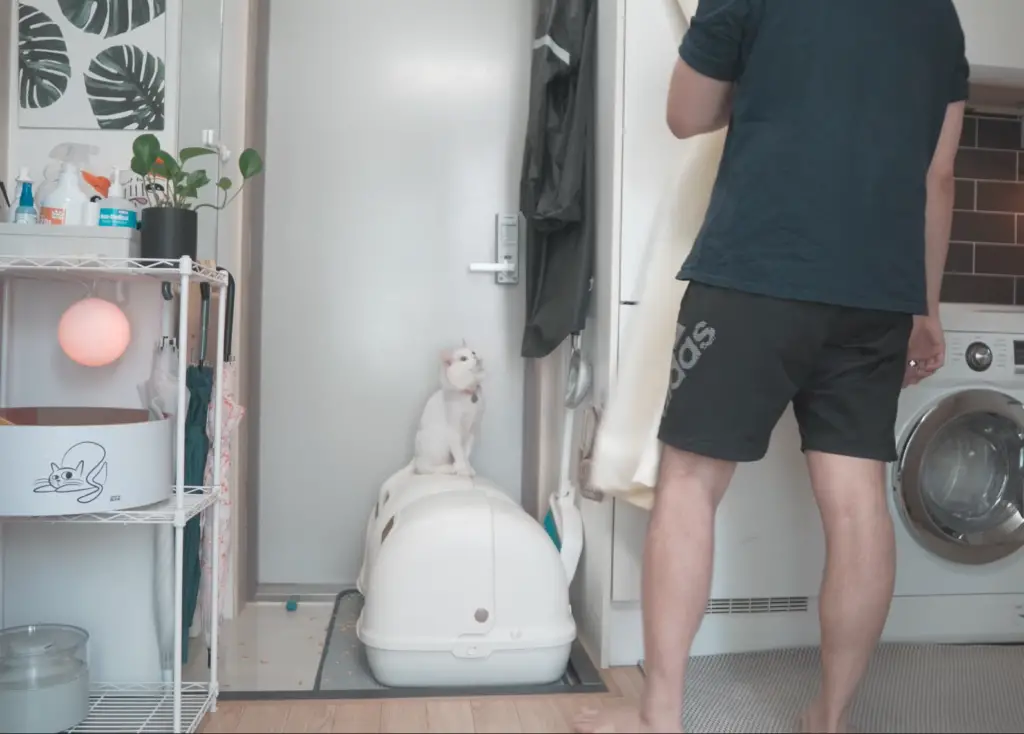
<point>994,356</point>
<point>979,356</point>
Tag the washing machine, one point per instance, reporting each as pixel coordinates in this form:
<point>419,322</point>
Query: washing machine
<point>956,489</point>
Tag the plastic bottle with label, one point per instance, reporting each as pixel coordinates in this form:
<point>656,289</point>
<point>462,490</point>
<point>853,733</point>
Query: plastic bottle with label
<point>25,212</point>
<point>115,210</point>
<point>65,204</point>
<point>21,182</point>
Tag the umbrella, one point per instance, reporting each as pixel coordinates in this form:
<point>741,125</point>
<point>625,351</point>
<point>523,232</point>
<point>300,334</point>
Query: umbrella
<point>199,381</point>
<point>231,416</point>
<point>159,395</point>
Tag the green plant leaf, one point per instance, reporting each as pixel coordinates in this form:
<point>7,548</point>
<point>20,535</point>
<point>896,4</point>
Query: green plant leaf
<point>224,184</point>
<point>146,147</point>
<point>193,182</point>
<point>249,163</point>
<point>139,166</point>
<point>167,166</point>
<point>109,18</point>
<point>188,154</point>
<point>44,69</point>
<point>126,89</point>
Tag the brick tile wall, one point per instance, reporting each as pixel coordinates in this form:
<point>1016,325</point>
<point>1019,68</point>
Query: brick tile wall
<point>986,252</point>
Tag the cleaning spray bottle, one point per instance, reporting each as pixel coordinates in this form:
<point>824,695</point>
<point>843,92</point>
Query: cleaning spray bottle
<point>25,210</point>
<point>115,210</point>
<point>65,205</point>
<point>20,183</point>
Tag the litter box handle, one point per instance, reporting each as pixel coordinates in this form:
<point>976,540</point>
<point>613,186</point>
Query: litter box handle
<point>229,321</point>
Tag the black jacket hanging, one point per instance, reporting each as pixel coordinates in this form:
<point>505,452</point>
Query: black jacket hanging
<point>556,189</point>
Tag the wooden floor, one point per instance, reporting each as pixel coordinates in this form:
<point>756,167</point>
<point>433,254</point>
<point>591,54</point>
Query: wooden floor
<point>490,714</point>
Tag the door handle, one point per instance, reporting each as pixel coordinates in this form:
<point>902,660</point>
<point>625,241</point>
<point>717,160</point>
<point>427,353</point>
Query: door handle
<point>505,267</point>
<point>506,251</point>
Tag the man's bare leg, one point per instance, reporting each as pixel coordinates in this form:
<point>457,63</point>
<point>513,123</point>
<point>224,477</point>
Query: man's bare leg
<point>857,588</point>
<point>676,583</point>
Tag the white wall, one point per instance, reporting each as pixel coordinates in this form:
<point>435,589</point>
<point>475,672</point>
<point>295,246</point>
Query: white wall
<point>992,29</point>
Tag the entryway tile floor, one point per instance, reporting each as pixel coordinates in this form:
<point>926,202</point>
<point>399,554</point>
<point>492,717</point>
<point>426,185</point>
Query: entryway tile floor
<point>266,648</point>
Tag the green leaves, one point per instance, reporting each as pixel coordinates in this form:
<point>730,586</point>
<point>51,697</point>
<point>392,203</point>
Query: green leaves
<point>44,69</point>
<point>126,89</point>
<point>110,18</point>
<point>184,187</point>
<point>249,163</point>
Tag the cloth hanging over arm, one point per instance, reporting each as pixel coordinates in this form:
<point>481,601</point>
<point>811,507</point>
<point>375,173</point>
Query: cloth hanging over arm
<point>556,188</point>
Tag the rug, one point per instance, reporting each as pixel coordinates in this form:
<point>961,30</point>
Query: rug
<point>960,689</point>
<point>345,672</point>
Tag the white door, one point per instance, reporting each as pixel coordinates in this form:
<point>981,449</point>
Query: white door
<point>395,135</point>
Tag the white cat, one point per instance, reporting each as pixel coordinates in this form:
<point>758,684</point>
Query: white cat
<point>450,418</point>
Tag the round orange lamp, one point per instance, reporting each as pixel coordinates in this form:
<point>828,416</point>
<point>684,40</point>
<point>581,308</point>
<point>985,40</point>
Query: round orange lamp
<point>94,332</point>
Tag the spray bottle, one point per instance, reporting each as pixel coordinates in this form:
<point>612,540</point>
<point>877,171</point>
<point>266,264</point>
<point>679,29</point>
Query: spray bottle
<point>20,183</point>
<point>65,205</point>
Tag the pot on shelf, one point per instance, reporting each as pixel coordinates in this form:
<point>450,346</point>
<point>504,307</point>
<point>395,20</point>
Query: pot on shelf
<point>169,233</point>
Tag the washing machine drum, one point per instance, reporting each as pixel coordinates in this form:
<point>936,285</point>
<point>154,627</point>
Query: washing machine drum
<point>960,477</point>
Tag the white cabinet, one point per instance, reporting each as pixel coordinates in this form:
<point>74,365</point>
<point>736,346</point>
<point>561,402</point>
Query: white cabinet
<point>993,29</point>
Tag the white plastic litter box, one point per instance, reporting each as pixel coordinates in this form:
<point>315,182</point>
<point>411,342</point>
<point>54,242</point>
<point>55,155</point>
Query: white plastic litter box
<point>70,461</point>
<point>464,589</point>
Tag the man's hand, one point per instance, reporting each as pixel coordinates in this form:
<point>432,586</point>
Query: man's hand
<point>926,352</point>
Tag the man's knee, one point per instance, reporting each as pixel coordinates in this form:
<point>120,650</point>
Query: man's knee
<point>848,488</point>
<point>688,477</point>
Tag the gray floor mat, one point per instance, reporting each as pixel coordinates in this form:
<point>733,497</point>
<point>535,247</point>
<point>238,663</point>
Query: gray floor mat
<point>908,688</point>
<point>343,667</point>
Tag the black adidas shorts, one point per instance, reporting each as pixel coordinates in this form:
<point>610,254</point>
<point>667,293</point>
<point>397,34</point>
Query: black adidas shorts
<point>739,359</point>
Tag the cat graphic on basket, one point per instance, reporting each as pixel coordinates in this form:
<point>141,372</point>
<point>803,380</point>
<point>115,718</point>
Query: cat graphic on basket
<point>451,416</point>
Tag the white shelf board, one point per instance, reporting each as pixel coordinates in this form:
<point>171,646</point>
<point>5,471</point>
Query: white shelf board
<point>145,707</point>
<point>162,513</point>
<point>106,268</point>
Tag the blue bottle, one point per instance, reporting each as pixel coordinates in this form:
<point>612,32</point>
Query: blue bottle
<point>26,212</point>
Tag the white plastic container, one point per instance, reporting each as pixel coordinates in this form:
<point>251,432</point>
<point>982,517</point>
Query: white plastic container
<point>44,678</point>
<point>115,210</point>
<point>466,589</point>
<point>70,461</point>
<point>40,240</point>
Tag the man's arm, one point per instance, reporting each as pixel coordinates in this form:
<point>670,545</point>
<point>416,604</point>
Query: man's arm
<point>710,62</point>
<point>938,213</point>
<point>697,104</point>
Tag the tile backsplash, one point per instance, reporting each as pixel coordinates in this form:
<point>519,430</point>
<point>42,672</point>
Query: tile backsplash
<point>986,252</point>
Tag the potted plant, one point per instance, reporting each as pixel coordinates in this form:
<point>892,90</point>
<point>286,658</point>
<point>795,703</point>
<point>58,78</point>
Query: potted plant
<point>169,223</point>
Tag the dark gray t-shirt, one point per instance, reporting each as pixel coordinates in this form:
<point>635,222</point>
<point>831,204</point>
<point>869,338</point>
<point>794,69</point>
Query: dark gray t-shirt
<point>837,110</point>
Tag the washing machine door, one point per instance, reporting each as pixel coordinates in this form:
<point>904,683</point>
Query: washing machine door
<point>959,477</point>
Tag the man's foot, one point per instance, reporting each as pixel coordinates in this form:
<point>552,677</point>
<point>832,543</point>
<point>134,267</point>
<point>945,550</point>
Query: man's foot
<point>622,720</point>
<point>814,721</point>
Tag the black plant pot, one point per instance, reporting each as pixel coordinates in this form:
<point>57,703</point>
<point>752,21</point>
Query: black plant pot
<point>169,234</point>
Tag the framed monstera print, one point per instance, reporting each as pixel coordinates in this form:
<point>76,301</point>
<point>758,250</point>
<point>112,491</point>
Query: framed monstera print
<point>92,64</point>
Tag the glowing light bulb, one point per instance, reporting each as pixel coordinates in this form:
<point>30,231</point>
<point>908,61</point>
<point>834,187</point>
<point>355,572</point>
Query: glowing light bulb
<point>94,332</point>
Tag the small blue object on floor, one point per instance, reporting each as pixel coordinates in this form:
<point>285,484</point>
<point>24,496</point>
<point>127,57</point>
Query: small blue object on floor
<point>292,604</point>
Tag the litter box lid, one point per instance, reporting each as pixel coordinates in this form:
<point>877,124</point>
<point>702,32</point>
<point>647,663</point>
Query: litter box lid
<point>467,573</point>
<point>69,461</point>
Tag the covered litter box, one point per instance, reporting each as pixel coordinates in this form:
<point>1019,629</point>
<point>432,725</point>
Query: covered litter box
<point>69,461</point>
<point>465,588</point>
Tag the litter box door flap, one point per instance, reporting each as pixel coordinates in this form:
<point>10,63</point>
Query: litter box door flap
<point>433,579</point>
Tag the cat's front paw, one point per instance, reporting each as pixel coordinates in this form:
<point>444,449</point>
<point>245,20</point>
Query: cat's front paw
<point>465,470</point>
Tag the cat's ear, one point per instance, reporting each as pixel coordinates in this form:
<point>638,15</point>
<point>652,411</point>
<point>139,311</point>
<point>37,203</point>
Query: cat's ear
<point>447,356</point>
<point>80,468</point>
<point>53,468</point>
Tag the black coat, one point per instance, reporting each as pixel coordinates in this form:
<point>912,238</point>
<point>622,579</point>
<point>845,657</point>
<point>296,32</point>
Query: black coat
<point>556,189</point>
